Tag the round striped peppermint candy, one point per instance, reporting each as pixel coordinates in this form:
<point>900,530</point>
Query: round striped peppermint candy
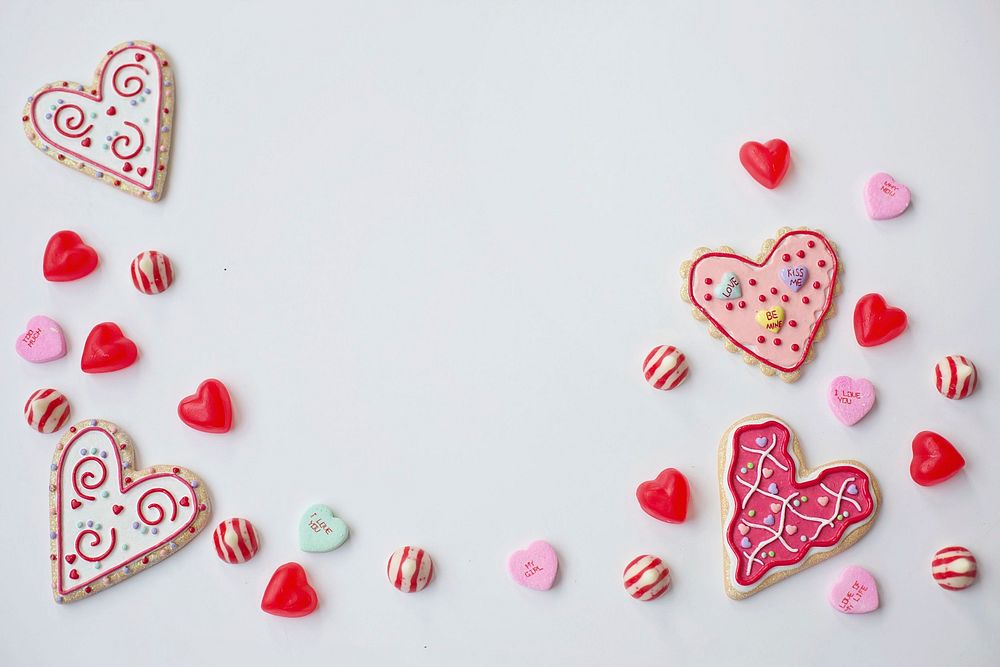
<point>665,367</point>
<point>410,569</point>
<point>235,540</point>
<point>646,578</point>
<point>954,568</point>
<point>151,272</point>
<point>956,376</point>
<point>47,410</point>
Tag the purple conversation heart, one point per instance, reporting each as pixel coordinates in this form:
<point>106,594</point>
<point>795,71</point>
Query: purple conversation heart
<point>794,276</point>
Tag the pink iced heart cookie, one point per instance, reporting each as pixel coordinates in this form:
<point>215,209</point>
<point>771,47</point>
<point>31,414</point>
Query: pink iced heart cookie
<point>855,591</point>
<point>534,567</point>
<point>885,197</point>
<point>108,521</point>
<point>850,399</point>
<point>41,341</point>
<point>771,310</point>
<point>116,129</point>
<point>795,519</point>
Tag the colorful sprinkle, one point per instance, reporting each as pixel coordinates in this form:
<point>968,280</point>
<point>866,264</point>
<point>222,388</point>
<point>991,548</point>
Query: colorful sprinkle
<point>752,513</point>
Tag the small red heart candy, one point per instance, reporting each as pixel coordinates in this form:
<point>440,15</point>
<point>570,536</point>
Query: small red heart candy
<point>209,409</point>
<point>184,502</point>
<point>289,593</point>
<point>73,574</point>
<point>875,322</point>
<point>67,258</point>
<point>141,171</point>
<point>112,111</point>
<point>767,162</point>
<point>666,497</point>
<point>75,504</point>
<point>934,459</point>
<point>107,349</point>
<point>127,168</point>
<point>139,57</point>
<point>70,558</point>
<point>85,143</point>
<point>117,509</point>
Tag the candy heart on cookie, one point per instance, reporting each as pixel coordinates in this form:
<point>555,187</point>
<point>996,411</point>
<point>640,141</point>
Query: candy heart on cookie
<point>777,524</point>
<point>110,521</point>
<point>116,129</point>
<point>772,309</point>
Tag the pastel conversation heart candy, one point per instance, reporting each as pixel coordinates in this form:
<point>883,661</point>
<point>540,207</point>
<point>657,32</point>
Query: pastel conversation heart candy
<point>775,322</point>
<point>116,129</point>
<point>42,340</point>
<point>728,287</point>
<point>767,162</point>
<point>110,520</point>
<point>534,567</point>
<point>320,530</point>
<point>885,197</point>
<point>850,399</point>
<point>288,593</point>
<point>854,592</point>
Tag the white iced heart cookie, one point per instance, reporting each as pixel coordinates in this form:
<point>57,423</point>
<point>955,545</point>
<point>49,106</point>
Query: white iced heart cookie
<point>109,521</point>
<point>116,129</point>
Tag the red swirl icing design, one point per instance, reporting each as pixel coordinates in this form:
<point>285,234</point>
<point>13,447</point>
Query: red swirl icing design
<point>129,80</point>
<point>70,126</point>
<point>156,506</point>
<point>128,141</point>
<point>97,541</point>
<point>763,487</point>
<point>84,479</point>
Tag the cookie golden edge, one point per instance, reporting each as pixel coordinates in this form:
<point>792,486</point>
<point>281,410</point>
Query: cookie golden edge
<point>127,450</point>
<point>803,471</point>
<point>163,150</point>
<point>766,246</point>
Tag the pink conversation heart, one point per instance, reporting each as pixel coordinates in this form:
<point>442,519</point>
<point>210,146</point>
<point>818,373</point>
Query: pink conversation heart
<point>885,197</point>
<point>41,341</point>
<point>850,399</point>
<point>855,592</point>
<point>534,567</point>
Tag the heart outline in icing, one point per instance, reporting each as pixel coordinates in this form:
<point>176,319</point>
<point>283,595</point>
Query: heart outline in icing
<point>117,563</point>
<point>90,157</point>
<point>768,253</point>
<point>846,531</point>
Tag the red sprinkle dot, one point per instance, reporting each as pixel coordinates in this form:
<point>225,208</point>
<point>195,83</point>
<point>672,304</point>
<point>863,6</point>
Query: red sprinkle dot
<point>762,297</point>
<point>24,118</point>
<point>815,284</point>
<point>811,244</point>
<point>62,157</point>
<point>88,589</point>
<point>774,290</point>
<point>743,304</point>
<point>117,183</point>
<point>786,257</point>
<point>708,281</point>
<point>128,480</point>
<point>201,508</point>
<point>800,254</point>
<point>784,297</point>
<point>752,282</point>
<point>166,110</point>
<point>777,341</point>
<point>795,347</point>
<point>191,529</point>
<point>708,297</point>
<point>65,83</point>
<point>161,168</point>
<point>729,305</point>
<point>145,560</point>
<point>175,470</point>
<point>52,557</point>
<point>122,446</point>
<point>793,323</point>
<point>72,429</point>
<point>805,299</point>
<point>821,263</point>
<point>760,339</point>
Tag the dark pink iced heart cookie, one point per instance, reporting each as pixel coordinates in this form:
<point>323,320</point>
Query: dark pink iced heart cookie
<point>771,310</point>
<point>779,517</point>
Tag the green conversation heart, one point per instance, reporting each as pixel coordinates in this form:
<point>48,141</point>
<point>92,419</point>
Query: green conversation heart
<point>320,530</point>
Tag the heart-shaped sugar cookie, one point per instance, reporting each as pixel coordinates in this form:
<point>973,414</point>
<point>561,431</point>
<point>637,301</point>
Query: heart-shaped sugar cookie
<point>109,521</point>
<point>786,294</point>
<point>802,517</point>
<point>116,129</point>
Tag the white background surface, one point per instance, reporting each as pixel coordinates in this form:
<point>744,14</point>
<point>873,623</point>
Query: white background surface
<point>427,246</point>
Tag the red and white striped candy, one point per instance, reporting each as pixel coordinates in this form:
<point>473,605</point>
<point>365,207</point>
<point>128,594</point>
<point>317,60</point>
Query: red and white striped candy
<point>646,578</point>
<point>151,272</point>
<point>410,569</point>
<point>235,540</point>
<point>954,568</point>
<point>665,367</point>
<point>47,410</point>
<point>956,376</point>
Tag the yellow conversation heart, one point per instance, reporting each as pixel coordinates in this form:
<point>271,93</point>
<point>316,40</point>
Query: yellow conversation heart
<point>772,318</point>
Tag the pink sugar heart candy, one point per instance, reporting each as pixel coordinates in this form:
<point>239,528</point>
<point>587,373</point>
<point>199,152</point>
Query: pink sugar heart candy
<point>41,341</point>
<point>850,399</point>
<point>534,567</point>
<point>855,592</point>
<point>743,528</point>
<point>791,530</point>
<point>823,500</point>
<point>885,198</point>
<point>775,507</point>
<point>766,472</point>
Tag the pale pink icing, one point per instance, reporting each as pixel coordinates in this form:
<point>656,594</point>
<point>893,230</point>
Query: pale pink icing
<point>740,326</point>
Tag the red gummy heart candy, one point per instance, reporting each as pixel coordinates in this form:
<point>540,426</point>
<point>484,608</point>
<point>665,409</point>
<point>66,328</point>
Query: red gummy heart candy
<point>209,409</point>
<point>767,163</point>
<point>666,497</point>
<point>289,593</point>
<point>67,257</point>
<point>934,459</point>
<point>107,349</point>
<point>875,322</point>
